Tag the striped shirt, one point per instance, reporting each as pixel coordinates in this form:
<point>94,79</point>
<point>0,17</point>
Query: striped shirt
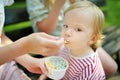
<point>83,68</point>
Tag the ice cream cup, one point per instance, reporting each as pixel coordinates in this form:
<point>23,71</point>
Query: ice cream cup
<point>56,66</point>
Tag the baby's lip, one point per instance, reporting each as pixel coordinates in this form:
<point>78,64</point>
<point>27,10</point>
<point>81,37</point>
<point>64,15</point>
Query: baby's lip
<point>66,41</point>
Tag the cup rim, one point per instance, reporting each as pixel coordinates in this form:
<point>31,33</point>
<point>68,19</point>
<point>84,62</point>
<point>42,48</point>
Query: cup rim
<point>57,57</point>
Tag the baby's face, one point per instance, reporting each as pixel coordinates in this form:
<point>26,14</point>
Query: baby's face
<point>77,28</point>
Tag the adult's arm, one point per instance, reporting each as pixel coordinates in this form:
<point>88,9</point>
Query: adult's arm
<point>42,18</point>
<point>51,21</point>
<point>25,60</point>
<point>37,43</point>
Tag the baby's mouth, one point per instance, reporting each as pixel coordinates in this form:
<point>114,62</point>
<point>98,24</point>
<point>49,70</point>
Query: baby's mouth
<point>66,41</point>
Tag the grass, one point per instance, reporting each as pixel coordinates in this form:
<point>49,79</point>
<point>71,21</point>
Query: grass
<point>113,13</point>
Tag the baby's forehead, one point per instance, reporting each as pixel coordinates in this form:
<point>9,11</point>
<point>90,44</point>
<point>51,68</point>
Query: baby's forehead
<point>83,10</point>
<point>79,11</point>
<point>79,16</point>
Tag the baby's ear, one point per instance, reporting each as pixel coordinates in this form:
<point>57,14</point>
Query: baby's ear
<point>93,39</point>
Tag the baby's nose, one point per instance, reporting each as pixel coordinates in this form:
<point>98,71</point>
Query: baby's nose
<point>68,33</point>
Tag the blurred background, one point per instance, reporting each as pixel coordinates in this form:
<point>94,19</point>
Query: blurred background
<point>17,25</point>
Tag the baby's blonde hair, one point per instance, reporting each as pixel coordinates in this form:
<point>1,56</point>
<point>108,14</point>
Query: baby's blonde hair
<point>98,19</point>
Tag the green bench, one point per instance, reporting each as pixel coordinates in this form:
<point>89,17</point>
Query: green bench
<point>112,43</point>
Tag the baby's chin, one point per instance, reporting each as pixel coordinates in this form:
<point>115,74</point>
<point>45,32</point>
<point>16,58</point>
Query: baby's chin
<point>68,44</point>
<point>66,41</point>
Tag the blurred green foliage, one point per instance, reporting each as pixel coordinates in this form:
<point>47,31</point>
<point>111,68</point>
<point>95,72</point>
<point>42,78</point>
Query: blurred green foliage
<point>112,10</point>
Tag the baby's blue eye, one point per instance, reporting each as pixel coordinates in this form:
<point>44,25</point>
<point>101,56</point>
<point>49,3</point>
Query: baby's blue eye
<point>65,26</point>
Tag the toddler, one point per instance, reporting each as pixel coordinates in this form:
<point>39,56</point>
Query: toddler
<point>82,33</point>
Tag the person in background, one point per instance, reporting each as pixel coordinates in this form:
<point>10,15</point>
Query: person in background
<point>47,16</point>
<point>12,52</point>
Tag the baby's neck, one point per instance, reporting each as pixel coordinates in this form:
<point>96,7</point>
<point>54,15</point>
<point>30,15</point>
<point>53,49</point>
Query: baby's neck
<point>81,52</point>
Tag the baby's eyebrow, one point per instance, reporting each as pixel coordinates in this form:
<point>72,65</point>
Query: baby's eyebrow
<point>79,25</point>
